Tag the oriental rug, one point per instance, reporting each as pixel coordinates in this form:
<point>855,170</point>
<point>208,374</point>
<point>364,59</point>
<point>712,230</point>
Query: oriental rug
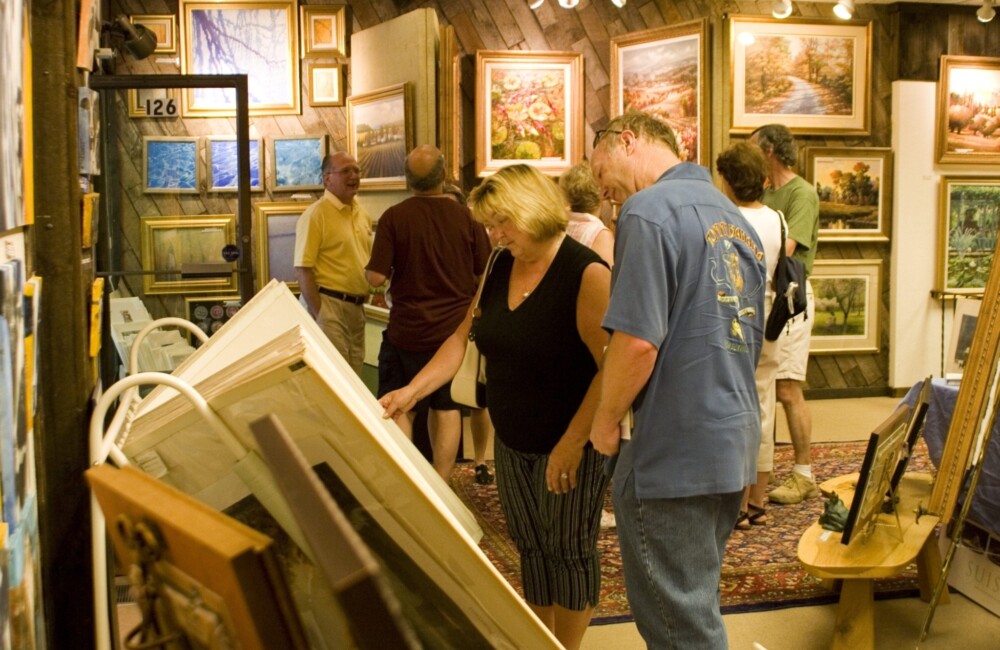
<point>760,571</point>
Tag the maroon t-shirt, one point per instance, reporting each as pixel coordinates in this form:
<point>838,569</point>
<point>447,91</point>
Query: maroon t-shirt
<point>433,252</point>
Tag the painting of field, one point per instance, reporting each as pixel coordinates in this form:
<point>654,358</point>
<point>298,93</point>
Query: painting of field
<point>849,193</point>
<point>380,137</point>
<point>973,110</point>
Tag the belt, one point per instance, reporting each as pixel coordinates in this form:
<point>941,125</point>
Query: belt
<point>346,297</point>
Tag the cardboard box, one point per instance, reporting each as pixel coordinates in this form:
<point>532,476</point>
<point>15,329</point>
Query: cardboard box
<point>975,568</point>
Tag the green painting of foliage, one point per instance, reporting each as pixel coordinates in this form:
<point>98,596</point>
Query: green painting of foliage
<point>841,308</point>
<point>973,220</point>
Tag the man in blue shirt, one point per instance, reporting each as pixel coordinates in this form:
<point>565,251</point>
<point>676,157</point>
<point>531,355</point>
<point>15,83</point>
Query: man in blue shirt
<point>686,318</point>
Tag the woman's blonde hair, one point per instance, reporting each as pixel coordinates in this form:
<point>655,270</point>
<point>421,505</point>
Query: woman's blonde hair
<point>580,188</point>
<point>529,199</point>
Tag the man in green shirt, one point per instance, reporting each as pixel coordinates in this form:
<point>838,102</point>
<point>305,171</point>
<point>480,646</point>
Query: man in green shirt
<point>792,195</point>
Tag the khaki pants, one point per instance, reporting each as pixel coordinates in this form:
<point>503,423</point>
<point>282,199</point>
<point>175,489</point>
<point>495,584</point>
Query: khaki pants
<point>344,324</point>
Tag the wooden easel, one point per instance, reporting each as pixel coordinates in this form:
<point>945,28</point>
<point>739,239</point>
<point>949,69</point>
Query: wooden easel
<point>883,553</point>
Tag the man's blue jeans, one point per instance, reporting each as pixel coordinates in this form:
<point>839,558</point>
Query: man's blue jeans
<point>672,555</point>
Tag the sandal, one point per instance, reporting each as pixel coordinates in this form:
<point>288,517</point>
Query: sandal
<point>757,515</point>
<point>743,522</point>
<point>483,476</point>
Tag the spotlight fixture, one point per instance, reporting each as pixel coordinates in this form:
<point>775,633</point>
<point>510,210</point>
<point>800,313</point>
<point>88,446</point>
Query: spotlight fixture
<point>986,12</point>
<point>139,40</point>
<point>535,4</point>
<point>781,9</point>
<point>568,4</point>
<point>618,3</point>
<point>844,9</point>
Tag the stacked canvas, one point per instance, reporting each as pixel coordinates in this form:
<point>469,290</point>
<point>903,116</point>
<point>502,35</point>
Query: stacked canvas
<point>272,359</point>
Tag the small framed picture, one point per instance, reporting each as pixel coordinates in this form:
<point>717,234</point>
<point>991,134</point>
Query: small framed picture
<point>170,164</point>
<point>274,227</point>
<point>963,326</point>
<point>164,27</point>
<point>324,30</point>
<point>854,185</point>
<point>153,102</point>
<point>297,162</point>
<point>847,296</point>
<point>211,313</point>
<point>326,84</point>
<point>221,164</point>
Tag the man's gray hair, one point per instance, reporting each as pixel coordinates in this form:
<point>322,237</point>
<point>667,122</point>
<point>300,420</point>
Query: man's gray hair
<point>776,139</point>
<point>643,125</point>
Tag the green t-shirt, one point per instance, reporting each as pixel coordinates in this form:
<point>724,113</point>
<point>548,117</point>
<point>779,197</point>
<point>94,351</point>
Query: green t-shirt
<point>800,204</point>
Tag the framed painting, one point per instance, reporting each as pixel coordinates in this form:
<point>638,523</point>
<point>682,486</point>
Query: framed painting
<point>967,121</point>
<point>324,30</point>
<point>297,162</point>
<point>221,164</point>
<point>170,165</point>
<point>847,300</point>
<point>210,313</point>
<point>326,84</point>
<point>529,109</point>
<point>274,228</point>
<point>855,191</point>
<point>258,38</point>
<point>380,134</point>
<point>969,213</point>
<point>168,243</point>
<point>153,102</point>
<point>963,326</point>
<point>885,448</point>
<point>664,71</point>
<point>163,27</point>
<point>810,75</point>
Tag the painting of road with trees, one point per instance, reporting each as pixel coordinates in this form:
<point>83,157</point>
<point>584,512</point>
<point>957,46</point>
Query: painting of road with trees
<point>792,75</point>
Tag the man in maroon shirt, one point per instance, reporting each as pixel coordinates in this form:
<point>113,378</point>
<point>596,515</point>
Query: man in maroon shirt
<point>432,252</point>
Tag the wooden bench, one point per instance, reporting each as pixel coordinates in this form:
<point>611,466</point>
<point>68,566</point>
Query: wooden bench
<point>882,554</point>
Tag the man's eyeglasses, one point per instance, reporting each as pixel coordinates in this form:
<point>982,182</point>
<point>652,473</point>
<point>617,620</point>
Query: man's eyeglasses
<point>345,170</point>
<point>599,135</point>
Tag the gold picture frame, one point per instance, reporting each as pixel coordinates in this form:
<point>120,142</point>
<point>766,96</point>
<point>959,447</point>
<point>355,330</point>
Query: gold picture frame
<point>847,296</point>
<point>296,162</point>
<point>167,244</point>
<point>324,30</point>
<point>380,134</point>
<point>835,103</point>
<point>855,191</point>
<point>258,38</point>
<point>529,109</point>
<point>171,164</point>
<point>326,84</point>
<point>164,27</point>
<point>274,229</point>
<point>966,103</point>
<point>221,164</point>
<point>651,71</point>
<point>967,232</point>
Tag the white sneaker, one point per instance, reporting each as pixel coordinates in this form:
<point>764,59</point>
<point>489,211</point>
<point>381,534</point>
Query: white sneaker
<point>607,519</point>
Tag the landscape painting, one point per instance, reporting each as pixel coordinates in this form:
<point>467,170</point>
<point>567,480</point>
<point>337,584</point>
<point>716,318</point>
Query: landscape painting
<point>380,135</point>
<point>810,75</point>
<point>846,298</point>
<point>968,124</point>
<point>970,218</point>
<point>855,191</point>
<point>662,71</point>
<point>297,162</point>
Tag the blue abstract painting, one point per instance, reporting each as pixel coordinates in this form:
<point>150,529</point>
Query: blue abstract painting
<point>224,167</point>
<point>172,165</point>
<point>298,162</point>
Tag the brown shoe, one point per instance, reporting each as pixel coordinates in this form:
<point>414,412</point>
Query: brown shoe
<point>795,489</point>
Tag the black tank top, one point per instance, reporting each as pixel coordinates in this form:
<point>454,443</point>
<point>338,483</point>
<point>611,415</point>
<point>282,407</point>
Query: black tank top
<point>537,367</point>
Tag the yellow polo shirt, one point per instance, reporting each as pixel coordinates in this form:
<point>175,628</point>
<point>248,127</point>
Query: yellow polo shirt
<point>335,240</point>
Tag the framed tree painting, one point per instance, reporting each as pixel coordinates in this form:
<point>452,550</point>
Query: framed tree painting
<point>529,109</point>
<point>846,294</point>
<point>968,126</point>
<point>324,30</point>
<point>164,28</point>
<point>170,165</point>
<point>297,162</point>
<point>969,221</point>
<point>274,228</point>
<point>258,38</point>
<point>810,75</point>
<point>380,134</point>
<point>222,167</point>
<point>664,71</point>
<point>326,84</point>
<point>855,191</point>
<point>169,243</point>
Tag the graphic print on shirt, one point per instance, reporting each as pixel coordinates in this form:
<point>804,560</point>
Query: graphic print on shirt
<point>728,277</point>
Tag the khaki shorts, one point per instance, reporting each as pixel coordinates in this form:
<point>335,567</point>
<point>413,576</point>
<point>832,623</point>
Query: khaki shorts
<point>793,344</point>
<point>767,367</point>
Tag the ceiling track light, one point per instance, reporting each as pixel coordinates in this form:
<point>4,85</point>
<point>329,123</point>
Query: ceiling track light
<point>986,13</point>
<point>844,9</point>
<point>569,4</point>
<point>535,4</point>
<point>781,9</point>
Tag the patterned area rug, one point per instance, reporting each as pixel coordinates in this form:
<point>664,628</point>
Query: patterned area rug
<point>761,570</point>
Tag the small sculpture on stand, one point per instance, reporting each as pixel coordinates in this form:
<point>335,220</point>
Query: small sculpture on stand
<point>834,515</point>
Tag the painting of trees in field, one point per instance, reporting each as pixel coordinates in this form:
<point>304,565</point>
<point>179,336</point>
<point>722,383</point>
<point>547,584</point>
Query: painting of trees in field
<point>969,117</point>
<point>846,302</point>
<point>380,134</point>
<point>972,210</point>
<point>795,75</point>
<point>854,185</point>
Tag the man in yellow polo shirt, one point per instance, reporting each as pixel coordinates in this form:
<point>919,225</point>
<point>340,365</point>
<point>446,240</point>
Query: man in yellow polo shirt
<point>333,241</point>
